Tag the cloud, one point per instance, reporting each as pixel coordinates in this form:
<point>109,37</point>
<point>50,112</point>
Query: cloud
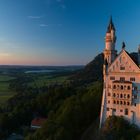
<point>44,25</point>
<point>34,17</point>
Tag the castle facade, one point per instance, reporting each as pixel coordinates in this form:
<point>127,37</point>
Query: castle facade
<point>121,75</point>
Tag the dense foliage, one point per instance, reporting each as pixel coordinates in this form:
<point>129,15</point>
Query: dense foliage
<point>73,117</point>
<point>117,128</point>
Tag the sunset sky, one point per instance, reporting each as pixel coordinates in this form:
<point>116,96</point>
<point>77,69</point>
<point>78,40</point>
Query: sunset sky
<point>64,32</point>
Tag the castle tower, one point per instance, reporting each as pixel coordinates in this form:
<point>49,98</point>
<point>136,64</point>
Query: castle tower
<point>109,56</point>
<point>110,40</point>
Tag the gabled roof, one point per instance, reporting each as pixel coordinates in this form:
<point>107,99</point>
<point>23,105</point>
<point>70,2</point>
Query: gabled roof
<point>38,121</point>
<point>130,57</point>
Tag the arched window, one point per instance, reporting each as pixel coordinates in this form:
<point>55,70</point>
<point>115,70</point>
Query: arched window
<point>121,102</point>
<point>124,87</point>
<point>117,95</point>
<point>128,87</point>
<point>128,103</point>
<point>114,95</point>
<point>128,96</point>
<point>124,95</point>
<point>121,96</point>
<point>117,102</point>
<point>124,103</point>
<point>121,87</point>
<point>114,87</point>
<point>114,102</point>
<point>109,94</point>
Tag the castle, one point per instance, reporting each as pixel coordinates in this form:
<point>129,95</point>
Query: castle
<point>121,75</point>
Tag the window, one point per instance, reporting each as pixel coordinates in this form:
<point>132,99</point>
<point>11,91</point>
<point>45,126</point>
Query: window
<point>121,102</point>
<point>134,104</point>
<point>107,109</point>
<point>128,96</point>
<point>124,103</point>
<point>126,112</point>
<point>124,87</point>
<point>121,87</point>
<point>128,87</point>
<point>122,79</point>
<point>135,88</point>
<point>121,96</point>
<point>114,102</point>
<point>124,95</point>
<point>112,78</point>
<point>122,68</point>
<point>108,101</point>
<point>114,87</point>
<point>121,110</point>
<point>114,95</point>
<point>132,78</point>
<point>109,94</point>
<point>128,103</point>
<point>117,102</point>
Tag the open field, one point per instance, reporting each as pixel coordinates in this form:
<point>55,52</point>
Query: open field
<point>34,76</point>
<point>39,80</point>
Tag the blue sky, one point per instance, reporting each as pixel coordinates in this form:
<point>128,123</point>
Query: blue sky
<point>64,32</point>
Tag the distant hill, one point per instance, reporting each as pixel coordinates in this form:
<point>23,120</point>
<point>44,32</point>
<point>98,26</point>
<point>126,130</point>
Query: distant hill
<point>91,72</point>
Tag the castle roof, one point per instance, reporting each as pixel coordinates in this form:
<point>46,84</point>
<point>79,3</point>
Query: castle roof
<point>133,56</point>
<point>38,121</point>
<point>110,26</point>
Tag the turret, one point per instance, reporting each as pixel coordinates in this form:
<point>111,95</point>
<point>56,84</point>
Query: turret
<point>110,40</point>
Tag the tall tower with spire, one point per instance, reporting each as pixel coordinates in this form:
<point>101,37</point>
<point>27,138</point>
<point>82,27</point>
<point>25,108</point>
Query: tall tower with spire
<point>109,56</point>
<point>110,40</point>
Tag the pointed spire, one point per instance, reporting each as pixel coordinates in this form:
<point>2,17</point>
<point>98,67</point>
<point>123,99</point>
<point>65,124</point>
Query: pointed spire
<point>110,26</point>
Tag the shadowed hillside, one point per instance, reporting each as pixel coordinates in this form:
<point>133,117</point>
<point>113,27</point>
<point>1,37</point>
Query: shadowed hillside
<point>92,71</point>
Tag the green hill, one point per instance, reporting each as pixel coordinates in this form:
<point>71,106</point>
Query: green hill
<point>91,72</point>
